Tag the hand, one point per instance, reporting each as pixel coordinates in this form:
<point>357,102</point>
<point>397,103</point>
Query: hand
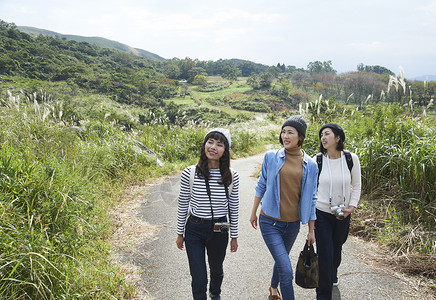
<point>310,238</point>
<point>253,221</point>
<point>233,245</point>
<point>348,211</point>
<point>179,241</point>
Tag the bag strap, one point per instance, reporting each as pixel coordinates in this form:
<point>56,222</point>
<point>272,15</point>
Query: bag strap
<point>308,253</point>
<point>209,194</point>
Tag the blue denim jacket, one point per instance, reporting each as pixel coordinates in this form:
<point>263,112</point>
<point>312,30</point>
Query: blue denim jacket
<point>268,186</point>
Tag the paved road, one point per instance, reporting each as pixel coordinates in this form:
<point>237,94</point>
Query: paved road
<point>247,272</point>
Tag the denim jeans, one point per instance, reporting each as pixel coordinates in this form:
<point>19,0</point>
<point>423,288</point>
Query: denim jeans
<point>279,237</point>
<point>330,234</point>
<point>199,240</point>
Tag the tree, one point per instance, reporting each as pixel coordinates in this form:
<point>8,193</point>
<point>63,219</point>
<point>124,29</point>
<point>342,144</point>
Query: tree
<point>194,72</point>
<point>231,72</point>
<point>199,80</point>
<point>266,79</point>
<point>185,65</point>
<point>248,67</point>
<point>172,71</point>
<point>253,81</point>
<point>301,80</point>
<point>324,83</point>
<point>284,88</point>
<point>281,67</point>
<point>374,69</point>
<point>320,67</point>
<point>274,71</point>
<point>361,85</point>
<point>263,80</point>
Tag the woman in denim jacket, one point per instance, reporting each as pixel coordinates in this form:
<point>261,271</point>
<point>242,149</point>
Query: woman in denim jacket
<point>286,190</point>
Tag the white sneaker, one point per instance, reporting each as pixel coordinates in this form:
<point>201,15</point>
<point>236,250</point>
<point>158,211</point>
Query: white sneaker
<point>336,283</point>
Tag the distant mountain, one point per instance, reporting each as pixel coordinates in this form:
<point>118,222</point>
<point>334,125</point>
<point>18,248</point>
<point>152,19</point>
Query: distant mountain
<point>102,42</point>
<point>423,78</point>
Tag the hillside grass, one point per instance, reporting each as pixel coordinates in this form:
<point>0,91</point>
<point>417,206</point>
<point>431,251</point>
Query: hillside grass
<point>215,99</point>
<point>187,100</point>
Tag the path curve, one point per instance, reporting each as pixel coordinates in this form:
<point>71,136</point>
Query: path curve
<point>164,273</point>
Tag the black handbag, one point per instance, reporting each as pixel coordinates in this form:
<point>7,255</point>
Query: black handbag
<point>307,272</point>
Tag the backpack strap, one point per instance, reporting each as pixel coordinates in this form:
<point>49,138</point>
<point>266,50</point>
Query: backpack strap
<point>348,159</point>
<point>191,177</point>
<point>231,184</point>
<point>319,163</point>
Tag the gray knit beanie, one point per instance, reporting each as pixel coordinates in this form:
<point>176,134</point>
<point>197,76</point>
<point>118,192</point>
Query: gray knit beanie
<point>224,132</point>
<point>298,123</point>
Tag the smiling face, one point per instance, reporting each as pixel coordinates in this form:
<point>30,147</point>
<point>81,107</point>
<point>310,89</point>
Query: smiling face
<point>328,139</point>
<point>214,150</point>
<point>290,137</point>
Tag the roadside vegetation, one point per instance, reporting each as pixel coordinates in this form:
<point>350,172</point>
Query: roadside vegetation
<point>80,123</point>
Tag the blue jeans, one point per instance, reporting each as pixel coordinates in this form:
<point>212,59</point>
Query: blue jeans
<point>279,237</point>
<point>330,234</point>
<point>199,238</point>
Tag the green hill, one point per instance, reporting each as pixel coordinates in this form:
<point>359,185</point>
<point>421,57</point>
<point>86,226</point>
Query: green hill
<point>99,41</point>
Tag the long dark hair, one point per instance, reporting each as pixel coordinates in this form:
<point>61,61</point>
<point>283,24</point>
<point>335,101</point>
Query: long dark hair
<point>202,168</point>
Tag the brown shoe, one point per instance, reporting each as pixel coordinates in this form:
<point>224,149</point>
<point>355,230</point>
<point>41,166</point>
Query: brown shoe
<point>274,297</point>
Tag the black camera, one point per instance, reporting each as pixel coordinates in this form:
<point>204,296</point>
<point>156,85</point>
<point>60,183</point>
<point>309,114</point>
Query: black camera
<point>221,227</point>
<point>337,211</point>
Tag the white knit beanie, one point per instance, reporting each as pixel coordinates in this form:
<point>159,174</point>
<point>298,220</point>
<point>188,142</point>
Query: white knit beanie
<point>224,132</point>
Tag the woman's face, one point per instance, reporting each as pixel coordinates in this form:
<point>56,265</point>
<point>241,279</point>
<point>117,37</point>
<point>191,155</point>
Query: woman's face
<point>328,139</point>
<point>290,137</point>
<point>214,149</point>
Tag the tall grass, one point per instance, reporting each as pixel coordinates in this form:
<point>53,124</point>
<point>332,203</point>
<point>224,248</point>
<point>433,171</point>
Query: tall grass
<point>53,187</point>
<point>401,150</point>
<point>57,183</point>
<point>398,153</point>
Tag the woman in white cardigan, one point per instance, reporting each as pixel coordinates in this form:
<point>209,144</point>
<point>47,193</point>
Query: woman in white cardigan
<point>338,195</point>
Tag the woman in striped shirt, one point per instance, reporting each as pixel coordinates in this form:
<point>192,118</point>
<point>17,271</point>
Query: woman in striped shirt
<point>208,195</point>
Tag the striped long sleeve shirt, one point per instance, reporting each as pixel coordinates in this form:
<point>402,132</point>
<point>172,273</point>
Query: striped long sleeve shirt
<point>199,205</point>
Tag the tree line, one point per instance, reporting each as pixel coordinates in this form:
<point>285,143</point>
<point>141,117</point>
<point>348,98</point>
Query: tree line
<point>135,80</point>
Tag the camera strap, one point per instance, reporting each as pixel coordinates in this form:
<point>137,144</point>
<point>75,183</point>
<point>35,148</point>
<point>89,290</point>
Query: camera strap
<point>331,178</point>
<point>210,198</point>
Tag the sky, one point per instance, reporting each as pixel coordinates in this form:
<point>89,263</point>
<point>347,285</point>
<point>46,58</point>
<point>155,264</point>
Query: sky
<point>395,34</point>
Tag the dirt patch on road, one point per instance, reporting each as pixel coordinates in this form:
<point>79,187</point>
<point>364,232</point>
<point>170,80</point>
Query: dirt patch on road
<point>129,234</point>
<point>419,271</point>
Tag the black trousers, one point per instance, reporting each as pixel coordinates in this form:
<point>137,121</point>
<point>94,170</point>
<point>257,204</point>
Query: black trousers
<point>330,234</point>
